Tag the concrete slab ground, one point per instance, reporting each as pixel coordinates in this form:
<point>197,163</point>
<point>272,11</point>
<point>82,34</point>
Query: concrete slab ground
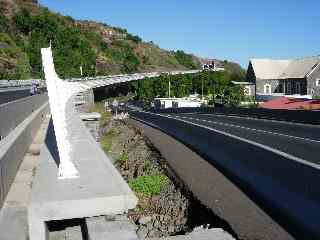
<point>203,234</point>
<point>13,215</point>
<point>102,228</point>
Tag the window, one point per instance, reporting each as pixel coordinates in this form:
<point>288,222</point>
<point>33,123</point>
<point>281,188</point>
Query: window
<point>247,91</point>
<point>267,89</point>
<point>317,82</point>
<point>298,88</point>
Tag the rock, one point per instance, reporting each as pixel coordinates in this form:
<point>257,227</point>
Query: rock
<point>144,220</point>
<point>171,229</point>
<point>142,232</point>
<point>154,234</point>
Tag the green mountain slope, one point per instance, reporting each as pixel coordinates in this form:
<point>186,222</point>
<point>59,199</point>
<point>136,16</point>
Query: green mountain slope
<point>26,26</point>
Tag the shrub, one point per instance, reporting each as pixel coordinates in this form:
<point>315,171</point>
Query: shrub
<point>123,159</point>
<point>3,23</point>
<point>133,38</point>
<point>185,59</point>
<point>106,141</point>
<point>149,185</point>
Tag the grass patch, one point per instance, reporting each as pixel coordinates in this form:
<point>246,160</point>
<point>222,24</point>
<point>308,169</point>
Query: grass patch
<point>106,141</point>
<point>149,185</point>
<point>105,116</point>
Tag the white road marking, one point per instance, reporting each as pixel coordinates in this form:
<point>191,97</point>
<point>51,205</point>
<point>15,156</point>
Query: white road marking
<point>276,151</point>
<point>258,119</point>
<point>256,130</point>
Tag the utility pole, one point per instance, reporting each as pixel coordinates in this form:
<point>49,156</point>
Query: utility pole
<point>202,88</point>
<point>169,87</point>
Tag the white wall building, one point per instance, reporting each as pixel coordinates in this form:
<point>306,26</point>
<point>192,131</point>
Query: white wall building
<point>192,101</point>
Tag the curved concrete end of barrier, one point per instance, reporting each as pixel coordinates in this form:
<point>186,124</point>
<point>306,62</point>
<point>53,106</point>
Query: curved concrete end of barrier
<point>98,188</point>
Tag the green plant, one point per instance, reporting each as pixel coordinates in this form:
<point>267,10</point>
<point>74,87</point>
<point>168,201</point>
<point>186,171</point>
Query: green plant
<point>149,185</point>
<point>106,141</point>
<point>123,159</point>
<point>133,38</point>
<point>4,23</point>
<point>185,59</point>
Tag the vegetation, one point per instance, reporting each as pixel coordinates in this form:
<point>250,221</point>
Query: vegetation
<point>133,38</point>
<point>123,160</point>
<point>215,85</point>
<point>4,23</point>
<point>185,59</point>
<point>98,48</point>
<point>149,185</point>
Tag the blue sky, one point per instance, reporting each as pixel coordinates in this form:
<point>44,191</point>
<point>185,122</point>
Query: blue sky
<point>233,30</point>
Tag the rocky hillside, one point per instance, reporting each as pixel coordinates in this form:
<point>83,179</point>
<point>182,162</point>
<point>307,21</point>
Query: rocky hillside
<point>26,26</point>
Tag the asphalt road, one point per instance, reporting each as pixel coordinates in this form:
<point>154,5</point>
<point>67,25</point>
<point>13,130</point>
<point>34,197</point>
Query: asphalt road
<point>275,163</point>
<point>9,95</point>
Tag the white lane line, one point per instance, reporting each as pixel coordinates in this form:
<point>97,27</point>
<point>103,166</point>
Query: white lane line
<point>257,130</point>
<point>276,151</point>
<point>259,119</point>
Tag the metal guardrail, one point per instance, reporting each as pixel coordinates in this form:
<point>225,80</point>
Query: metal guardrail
<point>20,83</point>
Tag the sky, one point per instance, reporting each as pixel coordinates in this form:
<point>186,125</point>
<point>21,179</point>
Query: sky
<point>233,30</point>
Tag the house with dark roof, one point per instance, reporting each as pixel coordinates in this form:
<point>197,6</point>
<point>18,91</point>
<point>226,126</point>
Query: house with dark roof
<point>296,78</point>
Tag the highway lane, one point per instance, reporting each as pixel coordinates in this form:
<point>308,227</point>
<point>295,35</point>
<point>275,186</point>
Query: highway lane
<point>298,140</point>
<point>288,128</point>
<point>9,95</point>
<point>280,173</point>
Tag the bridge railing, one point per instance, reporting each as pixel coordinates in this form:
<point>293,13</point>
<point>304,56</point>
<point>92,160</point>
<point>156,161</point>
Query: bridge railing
<point>19,83</point>
<point>129,77</point>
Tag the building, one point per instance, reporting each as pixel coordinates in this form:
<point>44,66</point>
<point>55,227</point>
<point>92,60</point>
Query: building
<point>249,88</point>
<point>297,78</point>
<point>191,101</point>
<point>212,65</point>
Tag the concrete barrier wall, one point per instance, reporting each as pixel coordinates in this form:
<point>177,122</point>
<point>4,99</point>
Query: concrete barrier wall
<point>13,113</point>
<point>15,145</point>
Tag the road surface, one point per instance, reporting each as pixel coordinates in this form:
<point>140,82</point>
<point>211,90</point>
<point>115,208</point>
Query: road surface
<point>11,94</point>
<point>275,163</point>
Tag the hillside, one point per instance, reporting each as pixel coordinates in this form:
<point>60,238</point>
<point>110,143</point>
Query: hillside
<point>26,26</point>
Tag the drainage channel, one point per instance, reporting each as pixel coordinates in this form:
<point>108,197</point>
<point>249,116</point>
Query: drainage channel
<point>73,229</point>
